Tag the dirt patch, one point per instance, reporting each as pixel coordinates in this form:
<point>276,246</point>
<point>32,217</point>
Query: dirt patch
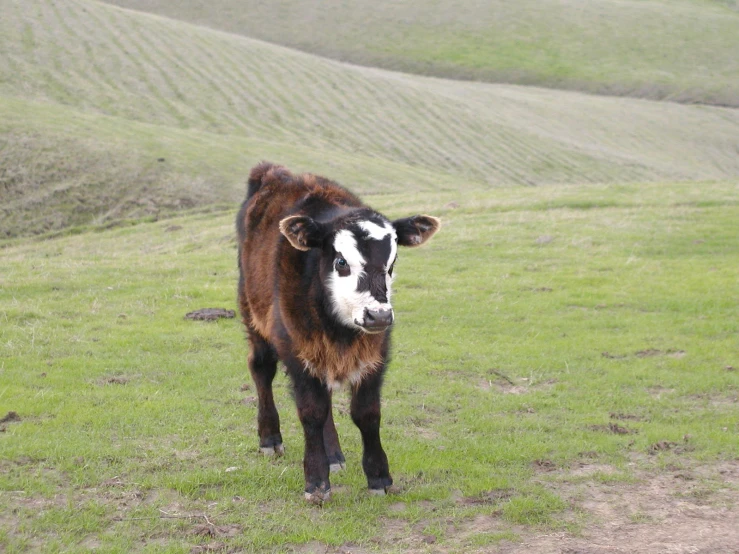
<point>210,547</point>
<point>426,433</point>
<point>544,465</point>
<point>211,530</point>
<point>681,511</point>
<point>500,381</point>
<point>716,400</point>
<point>614,428</point>
<point>658,391</point>
<point>647,353</point>
<point>651,352</point>
<point>626,417</point>
<point>677,448</point>
<point>10,417</point>
<point>210,314</point>
<point>490,497</point>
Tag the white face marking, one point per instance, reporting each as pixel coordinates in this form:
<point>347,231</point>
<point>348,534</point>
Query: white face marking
<point>346,243</point>
<point>374,230</point>
<point>349,304</point>
<point>378,233</point>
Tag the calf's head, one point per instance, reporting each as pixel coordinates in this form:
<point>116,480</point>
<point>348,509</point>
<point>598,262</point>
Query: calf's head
<point>358,253</point>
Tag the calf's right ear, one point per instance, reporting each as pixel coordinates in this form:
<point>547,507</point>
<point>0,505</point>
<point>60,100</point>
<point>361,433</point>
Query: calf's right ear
<point>302,232</point>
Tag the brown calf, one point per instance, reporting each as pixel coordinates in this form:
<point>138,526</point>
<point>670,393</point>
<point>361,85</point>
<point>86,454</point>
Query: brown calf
<point>316,269</point>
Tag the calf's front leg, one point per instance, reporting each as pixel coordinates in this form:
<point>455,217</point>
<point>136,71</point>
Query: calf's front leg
<point>365,411</point>
<point>313,403</point>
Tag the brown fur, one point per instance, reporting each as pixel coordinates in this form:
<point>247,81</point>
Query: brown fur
<point>334,363</point>
<point>264,247</point>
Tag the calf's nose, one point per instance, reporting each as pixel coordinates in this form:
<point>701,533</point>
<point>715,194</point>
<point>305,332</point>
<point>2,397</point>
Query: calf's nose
<point>377,320</point>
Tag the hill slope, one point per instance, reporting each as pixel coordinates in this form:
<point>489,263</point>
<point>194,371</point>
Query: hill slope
<point>62,167</point>
<point>216,103</point>
<point>682,50</point>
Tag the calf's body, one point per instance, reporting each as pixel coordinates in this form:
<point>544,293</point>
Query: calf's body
<point>316,269</point>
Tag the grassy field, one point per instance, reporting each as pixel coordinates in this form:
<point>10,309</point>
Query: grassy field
<point>682,50</point>
<point>565,374</point>
<point>94,96</point>
<point>542,333</point>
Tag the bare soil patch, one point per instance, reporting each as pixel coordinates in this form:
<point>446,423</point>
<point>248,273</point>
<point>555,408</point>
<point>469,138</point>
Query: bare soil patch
<point>10,417</point>
<point>613,428</point>
<point>680,511</point>
<point>210,314</point>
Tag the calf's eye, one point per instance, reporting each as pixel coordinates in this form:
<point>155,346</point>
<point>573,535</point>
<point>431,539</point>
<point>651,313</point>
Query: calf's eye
<point>342,267</point>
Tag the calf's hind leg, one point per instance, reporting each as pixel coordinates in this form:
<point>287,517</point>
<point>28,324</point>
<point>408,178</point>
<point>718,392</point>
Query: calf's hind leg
<point>263,366</point>
<point>336,458</point>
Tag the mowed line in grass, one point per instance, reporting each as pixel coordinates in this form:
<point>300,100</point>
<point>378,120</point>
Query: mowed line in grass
<point>682,51</point>
<point>588,300</point>
<point>66,169</point>
<point>171,73</point>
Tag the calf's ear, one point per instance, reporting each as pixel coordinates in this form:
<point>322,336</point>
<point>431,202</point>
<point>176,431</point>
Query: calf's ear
<point>302,232</point>
<point>415,230</point>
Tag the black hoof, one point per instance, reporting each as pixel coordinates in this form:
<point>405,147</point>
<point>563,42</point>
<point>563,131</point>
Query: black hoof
<point>379,485</point>
<point>276,450</point>
<point>272,446</point>
<point>318,495</point>
<point>336,462</point>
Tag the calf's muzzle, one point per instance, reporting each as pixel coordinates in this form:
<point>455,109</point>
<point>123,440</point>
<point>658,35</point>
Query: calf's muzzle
<point>376,321</point>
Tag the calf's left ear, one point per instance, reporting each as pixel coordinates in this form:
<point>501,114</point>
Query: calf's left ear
<point>415,230</point>
<point>302,232</point>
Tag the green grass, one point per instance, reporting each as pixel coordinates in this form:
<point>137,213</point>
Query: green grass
<point>682,50</point>
<point>532,316</point>
<point>91,96</point>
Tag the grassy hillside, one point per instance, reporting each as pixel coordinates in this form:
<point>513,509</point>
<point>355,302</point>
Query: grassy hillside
<point>683,50</point>
<point>61,167</point>
<point>111,91</point>
<point>553,345</point>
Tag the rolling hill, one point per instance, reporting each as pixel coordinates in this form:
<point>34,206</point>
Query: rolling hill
<point>110,92</point>
<point>682,50</point>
